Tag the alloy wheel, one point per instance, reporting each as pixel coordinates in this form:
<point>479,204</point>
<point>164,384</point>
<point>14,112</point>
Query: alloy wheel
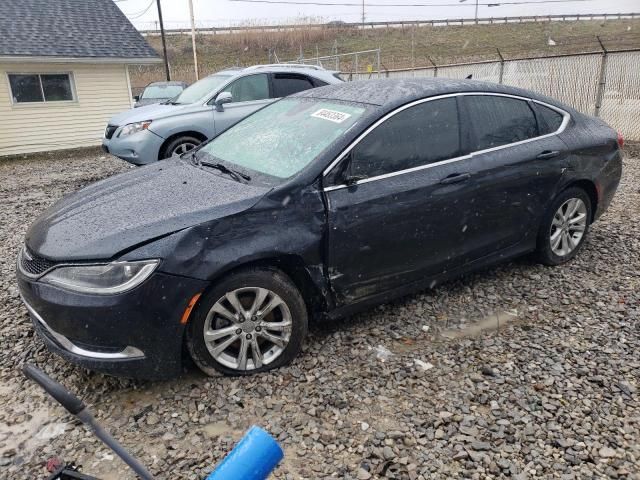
<point>247,328</point>
<point>183,148</point>
<point>568,227</point>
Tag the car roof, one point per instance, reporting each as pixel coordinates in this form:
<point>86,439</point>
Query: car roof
<point>315,71</point>
<point>391,92</point>
<point>172,82</point>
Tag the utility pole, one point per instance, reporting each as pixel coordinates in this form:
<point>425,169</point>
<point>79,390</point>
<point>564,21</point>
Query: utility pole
<point>363,14</point>
<point>164,42</point>
<point>476,16</point>
<point>193,39</point>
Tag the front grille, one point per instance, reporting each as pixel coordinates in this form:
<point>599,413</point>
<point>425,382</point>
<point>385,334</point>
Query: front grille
<point>111,129</point>
<point>34,265</point>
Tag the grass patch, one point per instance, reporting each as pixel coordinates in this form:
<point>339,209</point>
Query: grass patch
<point>400,47</point>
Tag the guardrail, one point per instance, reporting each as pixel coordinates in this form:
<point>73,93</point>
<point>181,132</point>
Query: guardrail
<point>395,24</point>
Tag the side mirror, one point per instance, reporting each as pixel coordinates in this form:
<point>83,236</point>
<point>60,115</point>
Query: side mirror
<point>136,98</point>
<point>221,99</point>
<point>349,177</point>
<point>353,179</point>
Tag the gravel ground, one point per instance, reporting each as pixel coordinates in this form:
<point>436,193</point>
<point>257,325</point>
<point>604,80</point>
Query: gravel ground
<point>520,370</point>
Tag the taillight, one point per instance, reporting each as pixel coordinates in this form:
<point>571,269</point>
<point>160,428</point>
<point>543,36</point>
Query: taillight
<point>620,140</point>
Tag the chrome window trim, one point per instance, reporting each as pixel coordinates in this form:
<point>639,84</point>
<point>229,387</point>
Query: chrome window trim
<point>235,78</point>
<point>565,121</point>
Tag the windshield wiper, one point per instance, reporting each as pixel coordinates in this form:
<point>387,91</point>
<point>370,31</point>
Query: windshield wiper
<point>236,175</point>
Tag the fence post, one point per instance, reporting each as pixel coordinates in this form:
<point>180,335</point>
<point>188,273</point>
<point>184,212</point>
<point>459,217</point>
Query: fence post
<point>501,73</point>
<point>435,67</point>
<point>356,64</point>
<point>379,72</point>
<point>602,79</point>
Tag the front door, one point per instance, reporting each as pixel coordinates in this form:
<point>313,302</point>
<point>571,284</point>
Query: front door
<point>249,93</point>
<point>403,219</point>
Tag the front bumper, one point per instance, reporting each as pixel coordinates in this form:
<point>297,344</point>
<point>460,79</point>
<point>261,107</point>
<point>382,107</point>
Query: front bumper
<point>134,334</point>
<point>139,148</point>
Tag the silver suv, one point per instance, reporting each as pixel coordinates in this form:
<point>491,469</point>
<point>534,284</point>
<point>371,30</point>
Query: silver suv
<point>205,109</point>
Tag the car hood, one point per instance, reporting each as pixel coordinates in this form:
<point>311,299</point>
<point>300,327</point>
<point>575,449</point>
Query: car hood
<point>121,212</point>
<point>151,112</point>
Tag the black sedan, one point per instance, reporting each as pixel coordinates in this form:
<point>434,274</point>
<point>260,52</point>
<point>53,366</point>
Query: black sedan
<point>319,205</point>
<point>158,92</point>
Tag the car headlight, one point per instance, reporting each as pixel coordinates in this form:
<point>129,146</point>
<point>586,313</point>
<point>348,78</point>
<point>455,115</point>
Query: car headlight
<point>115,277</point>
<point>132,128</point>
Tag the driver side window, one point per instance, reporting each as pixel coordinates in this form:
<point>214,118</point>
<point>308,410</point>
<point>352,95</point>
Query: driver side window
<point>425,133</point>
<point>253,87</point>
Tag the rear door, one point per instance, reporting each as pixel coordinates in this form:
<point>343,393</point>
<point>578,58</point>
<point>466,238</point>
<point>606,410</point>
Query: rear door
<point>514,166</point>
<point>285,84</point>
<point>249,93</point>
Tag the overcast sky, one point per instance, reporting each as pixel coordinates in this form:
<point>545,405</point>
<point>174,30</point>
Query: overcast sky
<point>225,12</point>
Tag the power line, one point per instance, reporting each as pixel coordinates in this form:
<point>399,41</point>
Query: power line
<point>132,13</point>
<point>345,4</point>
<point>141,13</point>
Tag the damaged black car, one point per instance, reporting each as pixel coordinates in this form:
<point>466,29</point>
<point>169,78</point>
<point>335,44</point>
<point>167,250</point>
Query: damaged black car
<point>317,206</point>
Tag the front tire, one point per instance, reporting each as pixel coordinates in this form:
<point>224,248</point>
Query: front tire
<point>252,321</point>
<point>179,146</point>
<point>564,227</point>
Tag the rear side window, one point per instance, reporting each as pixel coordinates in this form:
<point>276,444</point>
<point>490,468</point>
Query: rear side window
<point>496,121</point>
<point>287,84</point>
<point>549,120</point>
<point>253,87</point>
<point>423,134</point>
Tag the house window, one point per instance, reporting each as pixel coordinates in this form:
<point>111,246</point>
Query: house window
<point>34,87</point>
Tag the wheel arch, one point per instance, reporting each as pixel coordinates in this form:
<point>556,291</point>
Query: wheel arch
<point>188,133</point>
<point>591,190</point>
<point>309,280</point>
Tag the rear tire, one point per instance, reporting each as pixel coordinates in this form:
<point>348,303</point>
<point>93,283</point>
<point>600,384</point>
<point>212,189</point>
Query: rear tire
<point>179,146</point>
<point>258,311</point>
<point>564,227</point>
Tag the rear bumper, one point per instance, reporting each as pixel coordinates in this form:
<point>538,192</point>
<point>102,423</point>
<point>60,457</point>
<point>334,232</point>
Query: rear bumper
<point>139,148</point>
<point>134,334</point>
<point>607,183</point>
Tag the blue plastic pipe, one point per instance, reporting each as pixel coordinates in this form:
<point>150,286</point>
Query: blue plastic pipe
<point>253,458</point>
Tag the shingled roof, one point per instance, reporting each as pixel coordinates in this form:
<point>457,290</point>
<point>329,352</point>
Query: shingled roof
<point>69,29</point>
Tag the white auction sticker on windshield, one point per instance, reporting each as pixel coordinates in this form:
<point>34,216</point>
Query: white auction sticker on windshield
<point>331,115</point>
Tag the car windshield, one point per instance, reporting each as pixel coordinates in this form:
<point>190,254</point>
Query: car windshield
<point>161,91</point>
<point>201,88</point>
<point>283,138</point>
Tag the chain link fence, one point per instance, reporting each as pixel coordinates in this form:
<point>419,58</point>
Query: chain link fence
<point>605,84</point>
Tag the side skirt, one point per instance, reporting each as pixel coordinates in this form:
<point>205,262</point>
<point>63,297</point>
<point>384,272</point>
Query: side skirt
<point>429,282</point>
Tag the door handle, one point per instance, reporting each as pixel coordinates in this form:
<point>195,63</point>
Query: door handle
<point>548,154</point>
<point>455,178</point>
